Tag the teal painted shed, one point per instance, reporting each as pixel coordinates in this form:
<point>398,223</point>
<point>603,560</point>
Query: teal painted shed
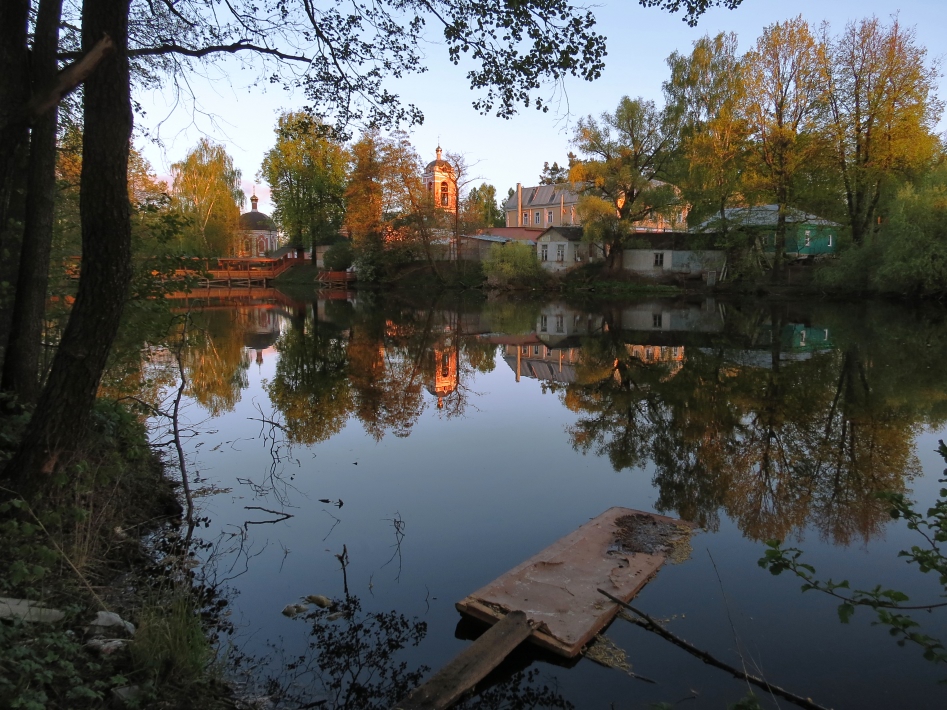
<point>807,235</point>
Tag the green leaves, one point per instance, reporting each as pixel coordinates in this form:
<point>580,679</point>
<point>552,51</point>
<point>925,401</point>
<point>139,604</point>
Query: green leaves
<point>889,604</point>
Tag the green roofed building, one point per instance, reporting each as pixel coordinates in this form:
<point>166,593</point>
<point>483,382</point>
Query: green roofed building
<point>807,236</point>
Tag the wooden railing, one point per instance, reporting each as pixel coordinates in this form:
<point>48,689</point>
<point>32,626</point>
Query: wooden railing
<point>236,271</point>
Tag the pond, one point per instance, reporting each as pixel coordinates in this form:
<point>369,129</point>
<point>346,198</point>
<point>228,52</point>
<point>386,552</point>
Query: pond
<point>431,445</point>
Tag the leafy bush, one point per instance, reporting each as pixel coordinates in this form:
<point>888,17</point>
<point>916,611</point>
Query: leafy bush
<point>338,257</point>
<point>908,256</point>
<point>513,264</point>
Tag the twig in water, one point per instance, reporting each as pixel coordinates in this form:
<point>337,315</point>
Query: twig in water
<point>337,521</point>
<point>398,524</point>
<point>284,516</point>
<point>344,561</point>
<point>652,625</point>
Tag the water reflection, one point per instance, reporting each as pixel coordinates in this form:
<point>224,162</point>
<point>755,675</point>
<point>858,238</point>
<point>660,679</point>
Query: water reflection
<point>353,661</point>
<point>778,416</point>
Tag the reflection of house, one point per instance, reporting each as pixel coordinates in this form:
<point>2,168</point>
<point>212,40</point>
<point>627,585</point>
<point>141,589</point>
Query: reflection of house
<point>807,235</point>
<point>258,232</point>
<point>438,178</point>
<point>558,321</point>
<point>654,354</point>
<point>676,316</point>
<point>665,253</point>
<point>539,362</point>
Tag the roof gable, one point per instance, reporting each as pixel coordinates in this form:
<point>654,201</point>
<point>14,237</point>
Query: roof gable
<point>543,196</point>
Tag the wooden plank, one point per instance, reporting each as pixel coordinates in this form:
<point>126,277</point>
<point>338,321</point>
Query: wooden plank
<point>558,588</point>
<point>470,666</point>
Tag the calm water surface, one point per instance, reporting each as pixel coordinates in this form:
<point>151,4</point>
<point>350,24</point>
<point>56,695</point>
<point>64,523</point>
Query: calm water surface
<point>453,440</point>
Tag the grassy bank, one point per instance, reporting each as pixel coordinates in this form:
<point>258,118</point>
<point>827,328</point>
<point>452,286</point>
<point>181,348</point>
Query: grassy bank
<point>78,548</point>
<point>419,276</point>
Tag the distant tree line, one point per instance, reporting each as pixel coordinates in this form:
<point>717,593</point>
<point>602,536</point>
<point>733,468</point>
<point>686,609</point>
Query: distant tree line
<point>841,125</point>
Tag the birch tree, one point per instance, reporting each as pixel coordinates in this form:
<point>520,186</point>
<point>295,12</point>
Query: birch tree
<point>707,88</point>
<point>206,186</point>
<point>882,112</point>
<point>784,93</point>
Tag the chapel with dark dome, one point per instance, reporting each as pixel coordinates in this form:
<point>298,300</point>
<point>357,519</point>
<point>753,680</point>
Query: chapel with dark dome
<point>259,235</point>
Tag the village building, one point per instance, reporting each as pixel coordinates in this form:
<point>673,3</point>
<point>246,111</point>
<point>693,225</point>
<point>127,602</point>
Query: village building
<point>562,248</point>
<point>541,207</point>
<point>807,235</point>
<point>258,233</point>
<point>545,206</point>
<point>662,254</point>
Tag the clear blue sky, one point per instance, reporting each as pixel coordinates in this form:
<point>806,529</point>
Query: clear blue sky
<point>242,117</point>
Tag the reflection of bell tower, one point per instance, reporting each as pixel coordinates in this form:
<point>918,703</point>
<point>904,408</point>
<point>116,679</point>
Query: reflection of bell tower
<point>445,372</point>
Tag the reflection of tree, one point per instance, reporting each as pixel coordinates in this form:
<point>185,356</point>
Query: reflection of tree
<point>352,662</point>
<point>387,377</point>
<point>795,441</point>
<point>215,359</point>
<point>311,385</point>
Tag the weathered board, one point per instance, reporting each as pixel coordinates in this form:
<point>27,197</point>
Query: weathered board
<point>471,666</point>
<point>557,588</point>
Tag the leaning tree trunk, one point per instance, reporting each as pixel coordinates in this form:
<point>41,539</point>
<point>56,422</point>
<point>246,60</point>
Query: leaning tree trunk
<point>21,364</point>
<point>56,427</point>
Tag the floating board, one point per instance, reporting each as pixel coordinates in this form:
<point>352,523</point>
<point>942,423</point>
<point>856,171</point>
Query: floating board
<point>556,588</point>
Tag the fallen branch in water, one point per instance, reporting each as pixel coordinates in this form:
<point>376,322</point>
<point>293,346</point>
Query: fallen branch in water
<point>652,625</point>
<point>284,516</point>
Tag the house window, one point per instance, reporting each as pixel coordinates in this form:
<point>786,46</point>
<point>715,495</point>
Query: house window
<point>444,200</point>
<point>544,253</point>
<point>543,323</point>
<point>537,217</point>
<point>657,320</point>
<point>559,324</point>
<point>576,255</point>
<point>659,259</point>
<point>560,252</point>
<point>549,217</point>
<point>525,350</point>
<point>536,350</point>
<point>808,238</point>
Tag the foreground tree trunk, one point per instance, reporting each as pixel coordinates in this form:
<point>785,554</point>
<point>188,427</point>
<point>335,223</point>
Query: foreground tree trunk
<point>14,94</point>
<point>21,363</point>
<point>57,425</point>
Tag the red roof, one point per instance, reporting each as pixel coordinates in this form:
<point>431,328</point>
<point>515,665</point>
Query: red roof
<point>518,233</point>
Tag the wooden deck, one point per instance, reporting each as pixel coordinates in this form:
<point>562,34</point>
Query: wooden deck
<point>236,271</point>
<point>239,272</point>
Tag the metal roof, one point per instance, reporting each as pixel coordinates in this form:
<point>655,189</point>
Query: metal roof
<point>543,196</point>
<point>765,216</point>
